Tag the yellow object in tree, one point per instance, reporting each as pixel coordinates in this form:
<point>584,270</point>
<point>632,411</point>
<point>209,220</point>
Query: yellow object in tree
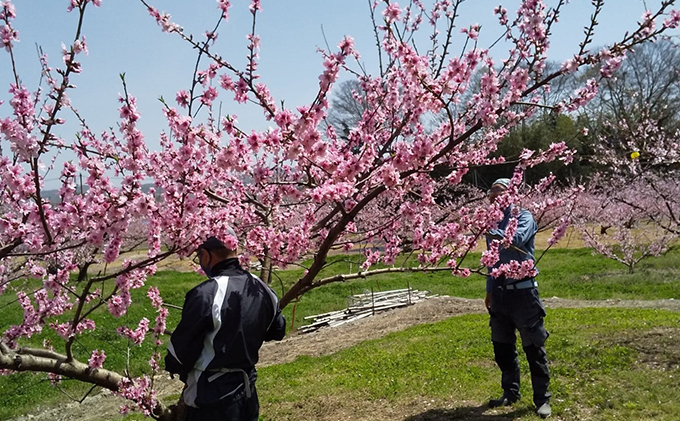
<point>635,155</point>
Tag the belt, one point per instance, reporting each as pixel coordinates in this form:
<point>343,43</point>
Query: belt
<point>519,285</point>
<point>246,379</point>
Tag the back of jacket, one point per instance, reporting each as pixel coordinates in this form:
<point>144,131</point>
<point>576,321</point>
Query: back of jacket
<point>224,322</point>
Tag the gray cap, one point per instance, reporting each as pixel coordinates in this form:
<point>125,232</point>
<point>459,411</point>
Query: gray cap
<point>505,182</point>
<point>212,242</point>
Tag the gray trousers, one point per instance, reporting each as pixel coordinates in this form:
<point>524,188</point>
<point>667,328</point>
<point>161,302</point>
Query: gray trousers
<point>520,310</point>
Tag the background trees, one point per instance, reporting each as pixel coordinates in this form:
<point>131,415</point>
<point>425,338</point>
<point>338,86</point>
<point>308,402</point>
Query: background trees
<point>645,86</point>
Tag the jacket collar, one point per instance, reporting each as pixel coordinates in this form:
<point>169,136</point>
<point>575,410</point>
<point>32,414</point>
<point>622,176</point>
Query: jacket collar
<point>224,265</point>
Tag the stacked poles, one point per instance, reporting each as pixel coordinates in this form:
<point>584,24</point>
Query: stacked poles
<point>365,305</point>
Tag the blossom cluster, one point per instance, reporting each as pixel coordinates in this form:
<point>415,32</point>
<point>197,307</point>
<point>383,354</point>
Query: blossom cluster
<point>140,391</point>
<point>137,335</point>
<point>627,223</point>
<point>97,359</point>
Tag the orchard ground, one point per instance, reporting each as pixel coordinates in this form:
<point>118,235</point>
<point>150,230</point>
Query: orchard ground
<point>627,326</point>
<point>663,354</point>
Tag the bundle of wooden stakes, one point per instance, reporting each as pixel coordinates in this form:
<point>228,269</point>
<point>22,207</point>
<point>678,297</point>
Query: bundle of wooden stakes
<point>365,305</point>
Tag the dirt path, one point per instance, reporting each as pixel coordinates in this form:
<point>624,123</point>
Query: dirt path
<point>104,406</point>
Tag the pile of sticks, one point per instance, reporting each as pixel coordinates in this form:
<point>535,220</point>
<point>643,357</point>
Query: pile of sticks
<point>365,305</point>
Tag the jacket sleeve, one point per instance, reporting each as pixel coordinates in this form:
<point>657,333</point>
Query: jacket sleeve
<point>186,342</point>
<point>526,228</point>
<point>277,330</point>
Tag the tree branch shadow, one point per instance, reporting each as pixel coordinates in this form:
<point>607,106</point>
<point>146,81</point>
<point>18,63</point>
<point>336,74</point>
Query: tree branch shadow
<point>467,413</point>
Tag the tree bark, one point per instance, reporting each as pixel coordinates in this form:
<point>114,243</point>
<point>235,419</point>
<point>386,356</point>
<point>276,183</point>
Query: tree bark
<point>43,360</point>
<point>29,359</point>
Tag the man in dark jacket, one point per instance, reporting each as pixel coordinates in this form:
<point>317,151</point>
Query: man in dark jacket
<point>514,305</point>
<point>215,347</point>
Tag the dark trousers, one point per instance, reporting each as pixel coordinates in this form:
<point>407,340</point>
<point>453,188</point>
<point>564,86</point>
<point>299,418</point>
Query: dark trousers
<point>241,408</point>
<point>520,310</point>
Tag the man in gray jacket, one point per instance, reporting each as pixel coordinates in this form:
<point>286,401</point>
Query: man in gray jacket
<point>215,347</point>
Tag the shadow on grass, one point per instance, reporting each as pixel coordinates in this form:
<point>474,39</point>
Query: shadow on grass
<point>468,413</point>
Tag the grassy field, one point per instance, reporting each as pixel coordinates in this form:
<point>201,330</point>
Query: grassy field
<point>595,352</point>
<point>606,364</point>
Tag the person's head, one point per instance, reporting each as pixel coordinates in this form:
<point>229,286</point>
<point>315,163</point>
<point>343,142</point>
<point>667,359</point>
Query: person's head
<point>213,250</point>
<point>497,188</point>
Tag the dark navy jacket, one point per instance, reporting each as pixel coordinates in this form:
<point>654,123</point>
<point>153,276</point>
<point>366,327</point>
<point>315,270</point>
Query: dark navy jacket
<point>224,322</point>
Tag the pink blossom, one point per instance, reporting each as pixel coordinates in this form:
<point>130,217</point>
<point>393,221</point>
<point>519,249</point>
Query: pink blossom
<point>515,270</point>
<point>55,379</point>
<point>571,65</point>
<point>392,13</point>
<point>254,41</point>
<point>66,331</point>
<point>160,324</point>
<point>136,336</point>
<point>80,45</point>
<point>673,19</point>
<point>155,297</point>
<point>163,20</point>
<point>231,242</point>
<point>140,391</point>
<point>228,124</point>
<point>209,96</point>
<point>182,98</point>
<point>8,35</point>
<point>154,361</point>
<point>8,11</point>
<point>372,257</point>
<point>241,91</point>
<point>510,230</point>
<point>211,36</point>
<point>472,32</point>
<point>255,6</point>
<point>502,15</point>
<point>611,63</point>
<point>491,255</point>
<point>648,25</point>
<point>117,306</point>
<point>97,359</point>
<point>559,231</point>
<point>227,83</point>
<point>224,5</point>
<point>128,110</point>
<point>390,176</point>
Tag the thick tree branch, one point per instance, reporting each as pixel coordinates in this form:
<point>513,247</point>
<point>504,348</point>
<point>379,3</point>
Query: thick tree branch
<point>31,359</point>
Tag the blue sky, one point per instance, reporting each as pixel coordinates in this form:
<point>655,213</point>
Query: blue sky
<point>123,38</point>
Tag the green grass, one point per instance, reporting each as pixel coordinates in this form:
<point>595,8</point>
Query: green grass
<point>596,374</point>
<point>564,273</point>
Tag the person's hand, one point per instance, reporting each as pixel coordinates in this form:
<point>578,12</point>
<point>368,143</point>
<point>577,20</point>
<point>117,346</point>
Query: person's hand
<point>487,300</point>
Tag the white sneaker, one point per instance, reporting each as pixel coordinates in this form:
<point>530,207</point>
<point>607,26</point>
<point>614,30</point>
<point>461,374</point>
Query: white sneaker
<point>544,410</point>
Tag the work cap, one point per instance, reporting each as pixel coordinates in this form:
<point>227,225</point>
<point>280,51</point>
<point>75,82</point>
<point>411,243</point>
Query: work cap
<point>505,182</point>
<point>213,243</point>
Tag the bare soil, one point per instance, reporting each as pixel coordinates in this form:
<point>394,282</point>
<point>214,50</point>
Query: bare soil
<point>662,354</point>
